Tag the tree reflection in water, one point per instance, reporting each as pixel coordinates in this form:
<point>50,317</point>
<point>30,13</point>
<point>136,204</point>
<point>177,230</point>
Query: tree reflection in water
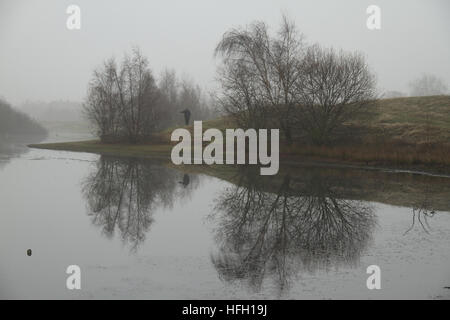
<point>422,210</point>
<point>123,193</point>
<point>298,225</point>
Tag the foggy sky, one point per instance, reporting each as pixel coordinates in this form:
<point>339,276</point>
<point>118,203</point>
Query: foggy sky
<point>40,59</point>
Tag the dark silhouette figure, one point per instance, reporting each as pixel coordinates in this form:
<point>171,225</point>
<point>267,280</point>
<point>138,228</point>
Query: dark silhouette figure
<point>185,181</point>
<point>187,115</point>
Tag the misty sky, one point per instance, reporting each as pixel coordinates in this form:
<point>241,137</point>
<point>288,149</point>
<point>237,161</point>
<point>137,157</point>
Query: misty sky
<point>40,59</point>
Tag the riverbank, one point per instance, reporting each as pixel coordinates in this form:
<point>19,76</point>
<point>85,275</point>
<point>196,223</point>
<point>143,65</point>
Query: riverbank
<point>111,149</point>
<point>362,157</point>
<point>392,186</point>
<point>403,133</point>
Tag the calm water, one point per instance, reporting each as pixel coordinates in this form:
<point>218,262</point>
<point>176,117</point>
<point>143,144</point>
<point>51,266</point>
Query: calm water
<point>139,229</point>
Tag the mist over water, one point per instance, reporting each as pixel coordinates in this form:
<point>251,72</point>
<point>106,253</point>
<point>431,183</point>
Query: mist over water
<point>146,228</point>
<point>139,229</point>
<point>182,35</point>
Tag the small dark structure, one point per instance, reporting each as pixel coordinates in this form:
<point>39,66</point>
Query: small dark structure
<point>185,181</point>
<point>187,115</point>
<point>29,252</point>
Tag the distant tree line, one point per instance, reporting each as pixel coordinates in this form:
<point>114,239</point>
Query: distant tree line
<point>425,85</point>
<point>126,103</point>
<point>13,122</point>
<point>305,90</point>
<point>428,85</point>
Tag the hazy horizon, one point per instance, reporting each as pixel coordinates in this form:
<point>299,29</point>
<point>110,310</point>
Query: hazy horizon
<point>42,60</point>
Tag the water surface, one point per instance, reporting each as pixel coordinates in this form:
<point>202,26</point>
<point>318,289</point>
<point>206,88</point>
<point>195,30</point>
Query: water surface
<point>142,229</point>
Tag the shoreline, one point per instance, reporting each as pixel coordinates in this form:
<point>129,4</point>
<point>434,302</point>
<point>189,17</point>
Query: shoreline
<point>162,152</point>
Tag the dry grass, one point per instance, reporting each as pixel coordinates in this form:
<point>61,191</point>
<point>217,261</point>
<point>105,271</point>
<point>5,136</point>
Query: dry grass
<point>412,131</point>
<point>414,120</point>
<point>149,150</point>
<point>376,154</point>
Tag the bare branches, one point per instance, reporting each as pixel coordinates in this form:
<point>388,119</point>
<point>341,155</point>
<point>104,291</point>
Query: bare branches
<point>331,88</point>
<point>125,103</point>
<point>259,72</point>
<point>270,80</point>
<point>122,102</point>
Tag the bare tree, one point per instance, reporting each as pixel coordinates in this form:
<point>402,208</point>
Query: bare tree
<point>169,87</point>
<point>139,97</point>
<point>102,103</point>
<point>124,104</point>
<point>428,85</point>
<point>178,95</point>
<point>333,86</point>
<point>277,80</point>
<point>258,74</point>
<point>191,97</point>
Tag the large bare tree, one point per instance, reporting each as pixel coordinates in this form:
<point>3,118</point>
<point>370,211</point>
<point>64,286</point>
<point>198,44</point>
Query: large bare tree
<point>258,74</point>
<point>102,103</point>
<point>332,88</point>
<point>139,102</point>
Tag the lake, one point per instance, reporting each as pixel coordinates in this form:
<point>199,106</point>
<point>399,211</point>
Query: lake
<point>145,229</point>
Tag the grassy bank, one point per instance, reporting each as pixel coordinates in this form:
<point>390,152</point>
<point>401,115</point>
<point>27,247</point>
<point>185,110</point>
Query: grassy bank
<point>410,133</point>
<point>113,149</point>
<point>400,132</point>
